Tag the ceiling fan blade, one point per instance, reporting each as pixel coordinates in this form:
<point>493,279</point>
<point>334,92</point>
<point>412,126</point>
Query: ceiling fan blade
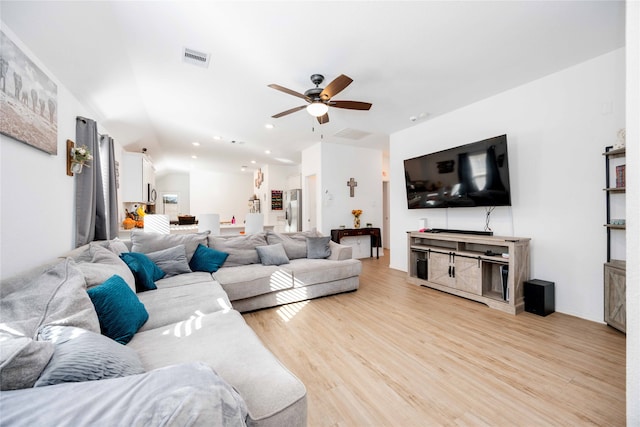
<point>323,119</point>
<point>350,105</point>
<point>293,110</point>
<point>289,91</point>
<point>335,87</point>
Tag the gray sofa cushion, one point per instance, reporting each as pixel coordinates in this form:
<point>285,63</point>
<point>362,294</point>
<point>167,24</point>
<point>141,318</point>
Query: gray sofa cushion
<point>55,296</point>
<point>272,254</point>
<point>22,359</point>
<point>226,343</point>
<point>241,249</point>
<point>170,305</point>
<point>251,280</point>
<point>179,395</point>
<point>146,242</point>
<point>172,261</point>
<point>184,279</point>
<point>82,355</point>
<point>295,244</point>
<point>101,265</point>
<point>307,272</point>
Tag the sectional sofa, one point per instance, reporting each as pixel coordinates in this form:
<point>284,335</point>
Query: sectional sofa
<point>174,301</point>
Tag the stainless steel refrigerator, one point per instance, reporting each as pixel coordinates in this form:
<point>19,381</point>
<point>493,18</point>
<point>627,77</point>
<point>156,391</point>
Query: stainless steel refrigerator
<point>293,210</point>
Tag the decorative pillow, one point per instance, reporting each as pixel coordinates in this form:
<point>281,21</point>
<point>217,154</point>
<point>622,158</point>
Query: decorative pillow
<point>81,355</point>
<point>295,244</point>
<point>119,310</point>
<point>144,270</point>
<point>272,254</point>
<point>145,242</point>
<point>318,247</point>
<point>117,246</point>
<point>241,249</point>
<point>21,360</point>
<point>207,259</point>
<point>172,261</point>
<point>102,265</point>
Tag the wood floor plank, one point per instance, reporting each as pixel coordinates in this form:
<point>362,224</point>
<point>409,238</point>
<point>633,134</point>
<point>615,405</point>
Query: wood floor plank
<point>393,353</point>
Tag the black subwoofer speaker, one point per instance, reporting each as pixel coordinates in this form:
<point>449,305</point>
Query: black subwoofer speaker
<point>539,297</point>
<point>422,269</point>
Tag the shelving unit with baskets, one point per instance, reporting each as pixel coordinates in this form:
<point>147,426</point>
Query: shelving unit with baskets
<point>615,267</point>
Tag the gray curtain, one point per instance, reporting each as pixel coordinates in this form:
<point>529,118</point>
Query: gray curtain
<point>112,197</point>
<point>91,222</point>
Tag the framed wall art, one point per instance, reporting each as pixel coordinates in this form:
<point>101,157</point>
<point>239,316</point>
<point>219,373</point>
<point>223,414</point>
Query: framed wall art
<point>28,99</point>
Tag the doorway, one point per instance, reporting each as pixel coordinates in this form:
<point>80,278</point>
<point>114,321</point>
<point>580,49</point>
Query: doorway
<point>310,211</point>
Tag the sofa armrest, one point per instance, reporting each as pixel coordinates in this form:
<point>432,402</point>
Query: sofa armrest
<point>339,252</point>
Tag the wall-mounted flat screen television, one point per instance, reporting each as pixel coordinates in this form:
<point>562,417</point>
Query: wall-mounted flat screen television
<point>475,174</point>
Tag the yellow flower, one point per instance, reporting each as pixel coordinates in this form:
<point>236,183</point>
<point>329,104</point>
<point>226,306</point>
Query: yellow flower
<point>356,212</point>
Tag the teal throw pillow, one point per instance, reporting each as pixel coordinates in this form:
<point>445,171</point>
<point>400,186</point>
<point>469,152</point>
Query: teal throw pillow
<point>119,310</point>
<point>207,259</point>
<point>145,271</point>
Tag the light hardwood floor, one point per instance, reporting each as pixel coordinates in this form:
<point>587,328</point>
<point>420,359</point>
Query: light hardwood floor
<point>396,354</point>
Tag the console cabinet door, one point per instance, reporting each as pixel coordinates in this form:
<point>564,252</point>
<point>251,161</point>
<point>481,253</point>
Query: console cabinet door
<point>440,269</point>
<point>615,288</point>
<point>468,275</point>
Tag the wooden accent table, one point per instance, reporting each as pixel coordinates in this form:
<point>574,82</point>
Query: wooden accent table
<point>376,239</point>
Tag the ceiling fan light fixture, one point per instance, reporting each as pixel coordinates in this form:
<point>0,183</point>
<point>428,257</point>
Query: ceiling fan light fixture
<point>317,109</point>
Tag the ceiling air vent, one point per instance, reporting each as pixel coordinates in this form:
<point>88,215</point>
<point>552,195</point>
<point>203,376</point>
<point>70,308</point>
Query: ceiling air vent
<point>194,57</point>
<point>349,133</point>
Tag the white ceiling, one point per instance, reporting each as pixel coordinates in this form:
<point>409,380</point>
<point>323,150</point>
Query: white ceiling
<point>124,60</point>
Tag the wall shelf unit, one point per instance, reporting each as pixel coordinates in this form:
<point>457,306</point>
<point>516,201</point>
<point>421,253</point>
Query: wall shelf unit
<point>471,266</point>
<point>615,313</point>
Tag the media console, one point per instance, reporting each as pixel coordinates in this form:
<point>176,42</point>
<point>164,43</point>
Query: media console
<point>450,230</point>
<point>488,269</point>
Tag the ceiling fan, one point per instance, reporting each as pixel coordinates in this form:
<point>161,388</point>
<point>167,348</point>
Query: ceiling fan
<point>319,99</point>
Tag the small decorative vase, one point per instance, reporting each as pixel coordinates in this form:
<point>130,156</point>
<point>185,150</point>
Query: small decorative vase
<point>356,222</point>
<point>76,167</point>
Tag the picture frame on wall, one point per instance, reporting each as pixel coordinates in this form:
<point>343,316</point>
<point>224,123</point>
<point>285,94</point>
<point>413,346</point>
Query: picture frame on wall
<point>28,99</point>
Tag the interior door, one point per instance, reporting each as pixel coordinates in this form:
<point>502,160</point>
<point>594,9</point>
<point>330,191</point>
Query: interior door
<point>310,205</point>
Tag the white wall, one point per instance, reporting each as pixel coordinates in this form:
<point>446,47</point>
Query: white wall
<point>334,165</point>
<point>222,193</point>
<point>633,209</point>
<point>280,178</point>
<point>38,198</point>
<point>557,128</point>
<point>174,183</point>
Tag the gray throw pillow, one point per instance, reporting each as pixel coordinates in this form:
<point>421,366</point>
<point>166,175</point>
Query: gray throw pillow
<point>272,254</point>
<point>318,247</point>
<point>172,261</point>
<point>145,242</point>
<point>82,355</point>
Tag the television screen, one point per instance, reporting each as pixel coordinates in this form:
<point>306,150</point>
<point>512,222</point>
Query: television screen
<point>475,174</point>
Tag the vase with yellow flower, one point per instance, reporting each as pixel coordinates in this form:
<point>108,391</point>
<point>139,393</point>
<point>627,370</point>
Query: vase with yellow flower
<point>356,217</point>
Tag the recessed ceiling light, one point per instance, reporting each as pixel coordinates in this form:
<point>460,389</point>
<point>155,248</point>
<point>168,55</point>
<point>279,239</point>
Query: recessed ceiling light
<point>195,144</point>
<point>267,151</point>
<point>243,168</point>
<point>269,126</point>
<point>194,157</point>
<point>253,162</point>
<point>217,137</point>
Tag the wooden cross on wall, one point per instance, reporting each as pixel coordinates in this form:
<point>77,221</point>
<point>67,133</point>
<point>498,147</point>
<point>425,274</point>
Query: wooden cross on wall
<point>351,184</point>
